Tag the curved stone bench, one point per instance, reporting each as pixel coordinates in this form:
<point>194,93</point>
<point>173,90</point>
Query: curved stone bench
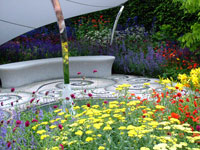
<point>25,72</point>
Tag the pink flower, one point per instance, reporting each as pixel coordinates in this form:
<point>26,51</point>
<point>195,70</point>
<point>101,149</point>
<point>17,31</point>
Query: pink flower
<point>94,70</point>
<point>60,126</point>
<point>18,122</point>
<point>89,94</point>
<point>85,91</point>
<point>78,73</point>
<point>72,96</point>
<point>34,120</point>
<point>55,106</point>
<point>31,101</point>
<point>38,101</point>
<point>105,102</point>
<point>198,127</point>
<point>62,147</point>
<point>11,103</point>
<point>1,103</point>
<point>12,89</point>
<point>8,144</point>
<point>27,123</point>
<point>88,105</point>
<point>67,98</point>
<point>33,92</point>
<point>14,129</point>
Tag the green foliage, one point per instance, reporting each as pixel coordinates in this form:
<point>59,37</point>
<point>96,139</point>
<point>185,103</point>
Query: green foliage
<point>192,38</point>
<point>166,32</point>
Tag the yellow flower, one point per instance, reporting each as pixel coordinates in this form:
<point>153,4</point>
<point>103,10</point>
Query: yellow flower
<point>52,126</point>
<point>63,121</point>
<point>61,113</point>
<point>99,135</point>
<point>97,125</point>
<point>44,123</point>
<point>35,127</point>
<point>79,132</point>
<point>58,119</point>
<point>52,121</point>
<point>101,148</point>
<point>68,115</point>
<point>41,131</point>
<point>146,83</point>
<point>89,139</point>
<point>58,110</point>
<point>55,148</point>
<point>43,136</point>
<point>165,81</point>
<point>144,148</point>
<point>107,128</point>
<point>89,132</point>
<point>122,128</point>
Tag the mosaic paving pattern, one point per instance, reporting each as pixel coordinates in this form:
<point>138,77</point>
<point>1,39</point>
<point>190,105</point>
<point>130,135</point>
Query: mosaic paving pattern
<point>51,91</point>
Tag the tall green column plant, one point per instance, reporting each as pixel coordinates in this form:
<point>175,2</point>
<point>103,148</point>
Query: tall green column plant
<point>66,94</point>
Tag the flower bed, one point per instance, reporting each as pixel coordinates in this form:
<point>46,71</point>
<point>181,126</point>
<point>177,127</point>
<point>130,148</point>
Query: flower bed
<point>167,120</point>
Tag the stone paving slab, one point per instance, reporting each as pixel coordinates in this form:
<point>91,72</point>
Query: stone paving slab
<point>50,91</point>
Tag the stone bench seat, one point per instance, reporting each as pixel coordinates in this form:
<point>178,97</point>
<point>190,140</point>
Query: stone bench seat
<point>26,72</point>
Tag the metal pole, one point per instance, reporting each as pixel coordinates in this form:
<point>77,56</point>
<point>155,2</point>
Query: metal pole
<point>67,100</point>
<point>115,24</point>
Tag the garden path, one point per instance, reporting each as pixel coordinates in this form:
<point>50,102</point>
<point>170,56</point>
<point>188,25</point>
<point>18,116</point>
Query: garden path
<point>50,91</point>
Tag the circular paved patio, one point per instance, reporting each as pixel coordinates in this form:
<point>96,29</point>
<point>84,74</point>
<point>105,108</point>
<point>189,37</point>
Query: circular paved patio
<point>49,91</point>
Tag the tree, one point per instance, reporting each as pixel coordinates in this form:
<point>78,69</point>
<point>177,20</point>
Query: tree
<point>191,39</point>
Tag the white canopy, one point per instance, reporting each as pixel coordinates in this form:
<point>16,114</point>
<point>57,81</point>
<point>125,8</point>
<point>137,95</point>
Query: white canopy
<point>20,16</point>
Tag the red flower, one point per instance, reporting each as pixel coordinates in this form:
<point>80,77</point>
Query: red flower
<point>195,103</point>
<point>180,100</point>
<point>67,98</point>
<point>34,120</point>
<point>94,70</point>
<point>78,73</point>
<point>60,126</point>
<point>14,129</point>
<point>12,89</point>
<point>11,103</point>
<point>173,102</point>
<point>8,144</point>
<point>138,97</point>
<point>195,111</point>
<point>33,92</point>
<point>62,147</point>
<point>179,94</point>
<point>88,105</point>
<point>158,101</point>
<point>187,99</point>
<point>89,94</point>
<point>8,122</point>
<point>1,103</point>
<point>105,102</point>
<point>174,115</point>
<point>27,123</point>
<point>18,122</point>
<point>46,93</point>
<point>38,101</point>
<point>31,101</point>
<point>73,96</point>
<point>180,109</point>
<point>55,106</point>
<point>93,21</point>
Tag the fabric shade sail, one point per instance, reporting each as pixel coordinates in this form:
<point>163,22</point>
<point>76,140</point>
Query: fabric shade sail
<point>20,16</point>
